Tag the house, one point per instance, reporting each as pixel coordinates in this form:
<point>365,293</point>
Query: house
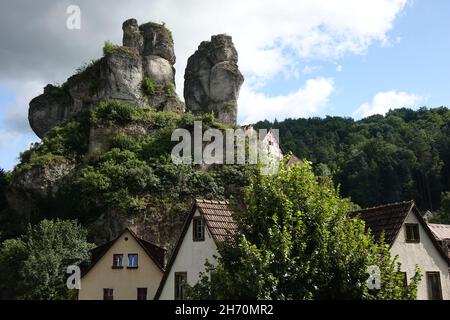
<point>208,223</point>
<point>442,234</point>
<point>410,238</point>
<point>126,268</point>
<point>428,215</point>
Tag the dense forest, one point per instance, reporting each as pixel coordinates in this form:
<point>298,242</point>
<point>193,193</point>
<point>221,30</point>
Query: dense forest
<point>381,159</point>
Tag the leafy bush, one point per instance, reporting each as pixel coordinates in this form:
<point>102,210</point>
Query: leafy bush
<point>149,86</point>
<point>108,47</point>
<point>296,241</point>
<point>33,266</point>
<point>169,89</point>
<point>114,112</point>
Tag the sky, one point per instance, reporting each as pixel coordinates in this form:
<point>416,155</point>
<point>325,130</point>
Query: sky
<point>300,58</point>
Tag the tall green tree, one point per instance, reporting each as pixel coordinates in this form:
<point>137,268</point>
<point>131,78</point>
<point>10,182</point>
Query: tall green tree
<point>33,266</point>
<point>296,241</point>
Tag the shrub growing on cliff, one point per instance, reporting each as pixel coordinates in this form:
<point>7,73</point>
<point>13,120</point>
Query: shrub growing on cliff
<point>297,242</point>
<point>149,86</point>
<point>108,47</point>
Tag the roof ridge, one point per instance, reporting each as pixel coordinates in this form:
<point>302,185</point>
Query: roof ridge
<point>198,200</point>
<point>411,202</point>
<point>439,224</point>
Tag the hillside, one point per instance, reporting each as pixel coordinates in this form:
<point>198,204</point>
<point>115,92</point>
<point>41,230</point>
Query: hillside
<point>401,156</point>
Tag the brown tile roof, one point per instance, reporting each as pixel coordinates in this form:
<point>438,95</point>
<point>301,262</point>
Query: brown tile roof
<point>388,218</point>
<point>157,254</point>
<point>218,218</point>
<point>440,231</point>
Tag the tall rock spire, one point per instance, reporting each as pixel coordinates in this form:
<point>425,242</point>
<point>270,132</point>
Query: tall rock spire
<point>213,80</point>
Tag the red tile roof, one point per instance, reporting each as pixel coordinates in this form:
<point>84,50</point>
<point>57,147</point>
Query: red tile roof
<point>218,218</point>
<point>387,218</point>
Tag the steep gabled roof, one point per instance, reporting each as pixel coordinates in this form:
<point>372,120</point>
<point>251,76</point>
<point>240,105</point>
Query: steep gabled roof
<point>155,252</point>
<point>219,220</point>
<point>440,231</point>
<point>390,218</point>
<point>387,218</point>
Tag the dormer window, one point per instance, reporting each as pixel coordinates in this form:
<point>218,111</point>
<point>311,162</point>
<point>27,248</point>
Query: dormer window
<point>412,232</point>
<point>198,229</point>
<point>132,260</point>
<point>117,261</point>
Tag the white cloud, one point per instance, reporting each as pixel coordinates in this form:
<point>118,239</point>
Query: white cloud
<point>271,35</point>
<point>16,112</point>
<point>306,101</point>
<point>382,102</point>
<point>272,38</point>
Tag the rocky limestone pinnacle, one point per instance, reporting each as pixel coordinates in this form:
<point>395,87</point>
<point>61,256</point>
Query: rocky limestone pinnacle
<point>213,80</point>
<point>147,53</point>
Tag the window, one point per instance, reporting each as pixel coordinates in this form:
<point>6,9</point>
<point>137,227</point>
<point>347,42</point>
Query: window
<point>434,285</point>
<point>404,278</point>
<point>117,261</point>
<point>108,294</point>
<point>132,260</point>
<point>199,229</point>
<point>142,293</point>
<point>412,232</point>
<point>180,289</point>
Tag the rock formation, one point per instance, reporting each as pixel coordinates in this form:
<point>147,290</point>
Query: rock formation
<point>141,73</point>
<point>213,80</point>
<point>147,53</point>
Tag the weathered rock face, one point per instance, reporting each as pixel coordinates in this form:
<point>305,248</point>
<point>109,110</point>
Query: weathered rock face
<point>132,37</point>
<point>147,52</point>
<point>158,41</point>
<point>37,185</point>
<point>213,80</point>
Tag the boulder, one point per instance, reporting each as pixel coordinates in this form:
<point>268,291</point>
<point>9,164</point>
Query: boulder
<point>158,41</point>
<point>159,69</point>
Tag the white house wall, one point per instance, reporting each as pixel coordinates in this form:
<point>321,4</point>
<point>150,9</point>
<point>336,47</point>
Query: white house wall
<point>191,259</point>
<point>425,255</point>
